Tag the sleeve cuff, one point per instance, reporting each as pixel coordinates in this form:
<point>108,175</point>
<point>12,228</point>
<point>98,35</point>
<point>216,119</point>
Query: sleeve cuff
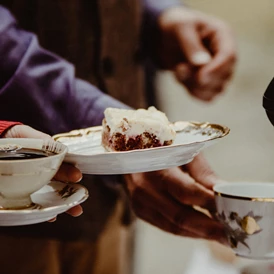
<point>5,125</point>
<point>150,31</point>
<point>154,8</point>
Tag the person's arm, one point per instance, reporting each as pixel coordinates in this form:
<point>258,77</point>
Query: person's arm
<point>39,88</point>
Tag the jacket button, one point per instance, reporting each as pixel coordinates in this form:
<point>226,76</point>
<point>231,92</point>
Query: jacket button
<point>107,66</point>
<point>138,56</point>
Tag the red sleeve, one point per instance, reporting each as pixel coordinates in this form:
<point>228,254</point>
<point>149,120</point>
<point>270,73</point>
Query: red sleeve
<point>4,125</point>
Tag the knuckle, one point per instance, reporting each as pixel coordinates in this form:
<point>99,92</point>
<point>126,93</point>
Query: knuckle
<point>231,57</point>
<point>195,191</point>
<point>177,191</point>
<point>186,26</point>
<point>213,233</point>
<point>188,23</point>
<point>179,220</point>
<point>205,173</point>
<point>222,25</point>
<point>137,189</point>
<point>176,230</point>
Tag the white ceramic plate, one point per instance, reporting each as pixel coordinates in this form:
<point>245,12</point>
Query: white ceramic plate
<point>87,153</point>
<point>51,200</point>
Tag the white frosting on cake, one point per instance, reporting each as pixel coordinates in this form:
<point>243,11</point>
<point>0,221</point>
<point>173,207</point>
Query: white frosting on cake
<point>136,122</point>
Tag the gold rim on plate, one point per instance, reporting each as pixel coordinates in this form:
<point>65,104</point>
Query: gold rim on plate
<point>179,126</point>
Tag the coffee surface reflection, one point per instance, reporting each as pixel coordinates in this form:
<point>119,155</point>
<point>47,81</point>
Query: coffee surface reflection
<point>24,154</point>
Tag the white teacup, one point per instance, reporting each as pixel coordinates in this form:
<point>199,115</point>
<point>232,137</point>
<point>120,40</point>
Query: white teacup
<point>20,178</point>
<point>247,212</point>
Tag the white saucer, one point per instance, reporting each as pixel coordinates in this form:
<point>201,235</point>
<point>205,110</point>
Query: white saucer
<point>51,200</point>
<point>87,153</point>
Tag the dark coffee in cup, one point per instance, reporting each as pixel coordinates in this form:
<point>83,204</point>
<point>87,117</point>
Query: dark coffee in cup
<point>24,154</point>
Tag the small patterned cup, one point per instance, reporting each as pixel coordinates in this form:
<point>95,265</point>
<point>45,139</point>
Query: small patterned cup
<point>247,212</point>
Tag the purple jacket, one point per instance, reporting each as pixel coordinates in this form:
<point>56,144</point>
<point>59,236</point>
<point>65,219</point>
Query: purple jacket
<point>40,88</point>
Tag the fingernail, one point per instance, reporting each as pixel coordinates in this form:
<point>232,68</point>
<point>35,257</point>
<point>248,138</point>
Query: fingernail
<point>75,175</point>
<point>201,58</point>
<point>80,178</point>
<point>182,73</point>
<point>52,220</point>
<point>78,214</point>
<point>181,76</point>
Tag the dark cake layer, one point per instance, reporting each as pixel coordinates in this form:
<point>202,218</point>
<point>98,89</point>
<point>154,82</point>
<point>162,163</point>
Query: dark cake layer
<point>121,142</point>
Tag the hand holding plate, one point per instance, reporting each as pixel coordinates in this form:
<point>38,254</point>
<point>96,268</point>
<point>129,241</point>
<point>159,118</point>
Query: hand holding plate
<point>166,199</point>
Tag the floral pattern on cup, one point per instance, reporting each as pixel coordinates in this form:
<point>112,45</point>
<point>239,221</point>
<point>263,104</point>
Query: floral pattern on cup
<point>239,228</point>
<point>66,191</point>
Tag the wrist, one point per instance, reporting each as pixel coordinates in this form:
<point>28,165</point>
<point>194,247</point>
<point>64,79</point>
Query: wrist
<point>5,127</point>
<point>153,9</point>
<point>174,15</point>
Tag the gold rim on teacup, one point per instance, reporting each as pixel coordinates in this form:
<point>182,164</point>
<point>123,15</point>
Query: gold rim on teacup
<point>244,198</point>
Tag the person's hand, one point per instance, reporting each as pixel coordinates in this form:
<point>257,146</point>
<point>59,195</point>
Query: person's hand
<point>177,200</point>
<point>66,173</point>
<point>200,49</point>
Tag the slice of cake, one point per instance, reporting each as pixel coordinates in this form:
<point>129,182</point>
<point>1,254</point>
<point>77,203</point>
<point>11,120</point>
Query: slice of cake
<point>125,129</point>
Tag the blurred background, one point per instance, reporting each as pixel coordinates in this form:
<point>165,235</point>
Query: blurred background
<point>247,154</point>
